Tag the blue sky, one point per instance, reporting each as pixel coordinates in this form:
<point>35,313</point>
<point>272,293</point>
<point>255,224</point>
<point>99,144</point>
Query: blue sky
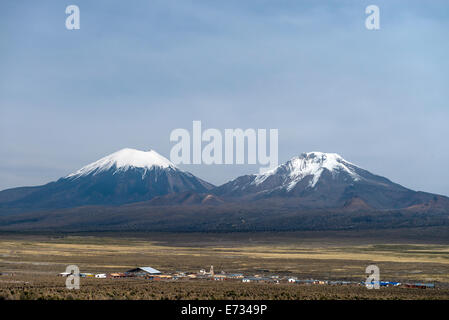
<point>137,70</point>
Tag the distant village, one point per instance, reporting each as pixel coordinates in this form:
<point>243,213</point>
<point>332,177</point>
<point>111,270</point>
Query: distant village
<point>152,274</point>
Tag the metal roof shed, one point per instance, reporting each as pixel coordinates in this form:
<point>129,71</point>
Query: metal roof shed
<point>148,270</point>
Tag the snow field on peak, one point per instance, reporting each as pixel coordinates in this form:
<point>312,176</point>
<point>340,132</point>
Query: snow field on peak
<point>124,159</point>
<point>309,164</point>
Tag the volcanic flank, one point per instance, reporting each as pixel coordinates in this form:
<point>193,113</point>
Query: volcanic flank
<point>125,176</point>
<point>142,190</point>
<point>324,180</point>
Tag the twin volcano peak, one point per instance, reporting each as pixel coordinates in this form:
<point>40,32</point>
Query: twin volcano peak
<point>310,164</point>
<point>313,180</point>
<point>125,176</point>
<point>125,159</point>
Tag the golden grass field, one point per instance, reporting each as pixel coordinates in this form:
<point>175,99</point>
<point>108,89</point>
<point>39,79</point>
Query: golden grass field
<point>32,262</point>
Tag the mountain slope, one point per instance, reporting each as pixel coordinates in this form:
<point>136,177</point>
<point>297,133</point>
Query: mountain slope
<point>324,180</point>
<point>133,190</point>
<point>123,177</point>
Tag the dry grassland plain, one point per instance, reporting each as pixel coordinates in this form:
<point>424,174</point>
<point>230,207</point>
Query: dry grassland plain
<point>30,263</point>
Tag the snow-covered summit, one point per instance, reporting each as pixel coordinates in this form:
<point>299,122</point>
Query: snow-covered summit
<point>309,164</point>
<point>123,160</point>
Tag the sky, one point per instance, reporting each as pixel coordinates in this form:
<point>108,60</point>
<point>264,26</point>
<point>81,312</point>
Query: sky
<point>135,71</point>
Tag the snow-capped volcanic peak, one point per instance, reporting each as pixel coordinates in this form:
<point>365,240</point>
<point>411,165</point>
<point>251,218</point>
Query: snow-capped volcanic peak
<point>310,164</point>
<point>125,159</point>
